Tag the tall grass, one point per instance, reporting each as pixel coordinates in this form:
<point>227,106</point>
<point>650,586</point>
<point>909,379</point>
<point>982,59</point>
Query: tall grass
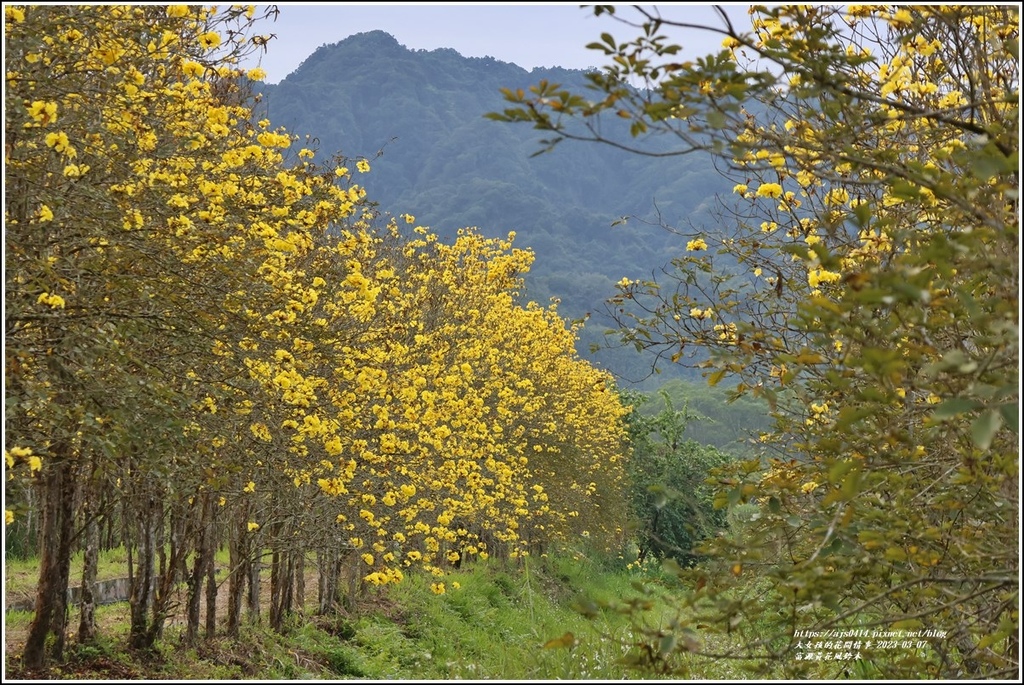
<point>494,621</point>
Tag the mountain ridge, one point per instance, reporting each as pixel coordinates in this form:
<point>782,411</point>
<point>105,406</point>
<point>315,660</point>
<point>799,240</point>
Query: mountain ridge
<point>418,115</point>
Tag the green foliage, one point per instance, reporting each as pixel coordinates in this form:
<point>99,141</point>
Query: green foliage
<point>717,417</point>
<point>668,473</point>
<point>866,286</point>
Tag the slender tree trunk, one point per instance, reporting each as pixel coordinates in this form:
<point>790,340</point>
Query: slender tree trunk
<point>325,587</point>
<point>142,587</point>
<point>287,601</point>
<point>276,590</point>
<point>237,577</point>
<point>285,585</point>
<point>56,532</point>
<point>328,562</point>
<point>282,578</point>
<point>204,553</point>
<point>87,612</point>
<point>252,604</point>
<point>183,536</point>
<point>107,534</point>
<point>300,581</point>
<point>211,585</point>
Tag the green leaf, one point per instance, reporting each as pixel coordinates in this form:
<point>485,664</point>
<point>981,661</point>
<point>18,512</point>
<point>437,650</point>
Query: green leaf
<point>840,469</point>
<point>587,607</point>
<point>895,554</point>
<point>954,407</point>
<point>670,565</point>
<point>863,214</point>
<point>567,640</point>
<point>851,485</point>
<point>715,378</point>
<point>905,190</point>
<point>1011,415</point>
<point>1012,46</point>
<point>985,427</point>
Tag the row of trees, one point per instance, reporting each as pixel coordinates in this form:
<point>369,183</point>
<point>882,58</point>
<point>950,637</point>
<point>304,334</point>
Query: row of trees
<point>866,285</point>
<point>211,339</point>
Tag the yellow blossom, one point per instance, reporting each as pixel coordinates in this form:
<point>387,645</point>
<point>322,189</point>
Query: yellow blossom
<point>76,170</point>
<point>55,301</point>
<point>195,69</point>
<point>209,40</point>
<point>58,141</point>
<point>815,277</point>
<point>773,190</point>
<point>43,112</point>
<point>363,166</point>
<point>696,245</point>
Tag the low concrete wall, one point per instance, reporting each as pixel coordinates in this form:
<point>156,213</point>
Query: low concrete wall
<point>104,592</point>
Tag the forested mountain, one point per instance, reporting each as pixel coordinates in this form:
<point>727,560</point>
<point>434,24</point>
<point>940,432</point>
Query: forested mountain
<point>443,162</point>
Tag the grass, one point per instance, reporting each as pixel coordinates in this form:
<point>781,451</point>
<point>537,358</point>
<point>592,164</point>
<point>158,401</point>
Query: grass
<point>494,621</point>
<point>22,574</point>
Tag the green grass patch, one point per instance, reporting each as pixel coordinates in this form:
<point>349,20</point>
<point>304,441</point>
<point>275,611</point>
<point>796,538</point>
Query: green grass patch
<point>516,621</point>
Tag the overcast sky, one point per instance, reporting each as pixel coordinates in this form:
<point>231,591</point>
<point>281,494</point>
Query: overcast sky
<point>529,35</point>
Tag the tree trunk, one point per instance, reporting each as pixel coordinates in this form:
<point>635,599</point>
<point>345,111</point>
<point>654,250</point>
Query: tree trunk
<point>142,585</point>
<point>330,563</point>
<point>252,604</point>
<point>204,554</point>
<point>300,581</point>
<point>282,579</point>
<point>211,587</point>
<point>56,532</point>
<point>237,577</point>
<point>276,590</point>
<point>90,564</point>
<point>182,535</point>
<point>287,601</point>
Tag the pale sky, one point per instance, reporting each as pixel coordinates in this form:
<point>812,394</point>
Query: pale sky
<point>529,35</point>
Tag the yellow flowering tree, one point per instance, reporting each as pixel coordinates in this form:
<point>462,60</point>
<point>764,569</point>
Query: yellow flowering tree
<point>423,404</point>
<point>147,223</point>
<point>866,286</point>
<point>211,339</point>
